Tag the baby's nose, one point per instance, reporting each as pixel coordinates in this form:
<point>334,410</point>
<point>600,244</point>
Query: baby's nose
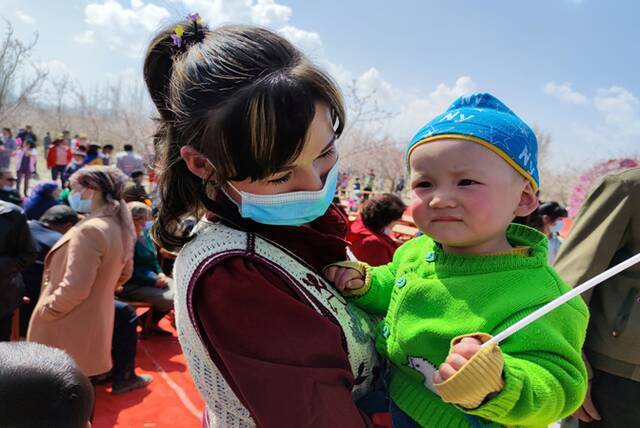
<point>442,201</point>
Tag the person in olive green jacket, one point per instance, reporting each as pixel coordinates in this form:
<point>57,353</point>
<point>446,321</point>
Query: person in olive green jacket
<point>606,232</point>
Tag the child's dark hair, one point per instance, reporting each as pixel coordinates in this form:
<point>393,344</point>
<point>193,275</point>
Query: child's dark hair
<point>551,209</point>
<point>379,211</point>
<point>42,386</point>
<point>242,96</point>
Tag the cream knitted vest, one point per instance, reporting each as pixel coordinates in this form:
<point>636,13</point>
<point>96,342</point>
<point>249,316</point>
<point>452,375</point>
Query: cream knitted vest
<point>215,241</point>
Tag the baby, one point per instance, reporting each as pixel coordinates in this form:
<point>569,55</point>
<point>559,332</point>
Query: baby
<point>472,170</point>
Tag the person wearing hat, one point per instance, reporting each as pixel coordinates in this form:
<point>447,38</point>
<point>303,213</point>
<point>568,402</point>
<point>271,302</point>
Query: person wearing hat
<point>77,162</point>
<point>472,170</point>
<point>58,157</point>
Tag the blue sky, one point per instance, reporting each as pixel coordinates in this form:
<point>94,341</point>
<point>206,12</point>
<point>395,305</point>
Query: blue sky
<point>569,67</point>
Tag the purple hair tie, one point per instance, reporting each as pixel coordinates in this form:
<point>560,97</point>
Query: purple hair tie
<point>179,32</point>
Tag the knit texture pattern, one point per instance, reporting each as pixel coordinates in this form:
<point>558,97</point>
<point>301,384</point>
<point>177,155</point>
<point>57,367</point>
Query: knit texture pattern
<point>479,377</point>
<point>429,297</point>
<point>214,240</point>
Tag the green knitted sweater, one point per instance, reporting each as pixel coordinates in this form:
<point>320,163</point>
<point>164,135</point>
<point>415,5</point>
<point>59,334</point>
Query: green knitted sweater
<point>429,297</point>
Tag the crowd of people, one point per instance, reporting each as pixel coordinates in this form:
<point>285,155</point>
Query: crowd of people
<point>288,312</point>
<point>75,250</point>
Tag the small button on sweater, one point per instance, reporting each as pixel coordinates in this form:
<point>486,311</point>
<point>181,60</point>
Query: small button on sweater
<point>429,297</point>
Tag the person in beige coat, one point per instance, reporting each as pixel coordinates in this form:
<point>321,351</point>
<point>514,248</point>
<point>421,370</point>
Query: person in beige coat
<point>83,269</point>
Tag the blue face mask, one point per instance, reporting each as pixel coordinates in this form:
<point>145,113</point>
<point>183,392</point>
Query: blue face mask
<point>557,226</point>
<point>289,209</point>
<point>78,204</point>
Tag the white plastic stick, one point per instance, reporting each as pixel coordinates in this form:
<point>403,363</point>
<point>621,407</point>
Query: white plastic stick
<point>564,298</point>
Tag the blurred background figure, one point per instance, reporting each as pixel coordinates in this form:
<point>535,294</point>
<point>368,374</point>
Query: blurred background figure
<point>93,156</point>
<point>8,191</point>
<point>549,219</point>
<point>8,147</point>
<point>368,234</point>
<point>77,162</point>
<point>106,153</point>
<point>75,311</point>
<point>26,157</point>
<point>128,162</point>
<point>46,231</point>
<point>58,157</point>
<point>43,196</point>
<point>17,252</point>
<point>148,283</point>
<point>135,191</point>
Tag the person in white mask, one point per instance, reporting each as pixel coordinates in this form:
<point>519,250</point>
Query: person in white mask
<point>83,269</point>
<point>549,219</point>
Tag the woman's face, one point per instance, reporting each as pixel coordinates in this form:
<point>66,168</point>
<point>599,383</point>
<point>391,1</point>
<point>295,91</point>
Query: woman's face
<point>85,192</point>
<point>139,224</point>
<point>309,171</point>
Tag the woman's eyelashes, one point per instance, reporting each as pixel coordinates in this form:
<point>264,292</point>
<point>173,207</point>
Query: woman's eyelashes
<point>287,176</point>
<point>282,179</point>
<point>328,153</point>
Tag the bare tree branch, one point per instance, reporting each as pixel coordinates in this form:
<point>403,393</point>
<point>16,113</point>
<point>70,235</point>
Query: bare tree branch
<point>14,63</point>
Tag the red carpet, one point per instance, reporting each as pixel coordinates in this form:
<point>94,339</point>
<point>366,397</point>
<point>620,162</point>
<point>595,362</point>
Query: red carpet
<point>171,400</point>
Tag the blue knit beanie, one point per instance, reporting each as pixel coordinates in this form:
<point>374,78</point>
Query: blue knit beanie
<point>484,119</point>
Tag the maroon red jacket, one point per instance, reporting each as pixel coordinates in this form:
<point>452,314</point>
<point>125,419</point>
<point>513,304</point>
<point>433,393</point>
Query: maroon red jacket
<point>368,246</point>
<point>284,361</point>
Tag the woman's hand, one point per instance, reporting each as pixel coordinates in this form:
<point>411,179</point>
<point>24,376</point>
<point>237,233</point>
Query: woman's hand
<point>344,278</point>
<point>459,355</point>
<point>587,412</point>
<point>162,281</point>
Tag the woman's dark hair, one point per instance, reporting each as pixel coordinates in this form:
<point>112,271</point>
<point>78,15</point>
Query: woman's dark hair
<point>8,130</point>
<point>552,209</point>
<point>379,211</point>
<point>242,96</point>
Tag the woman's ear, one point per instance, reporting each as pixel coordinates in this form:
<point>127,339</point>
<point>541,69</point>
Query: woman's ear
<point>196,162</point>
<point>528,201</point>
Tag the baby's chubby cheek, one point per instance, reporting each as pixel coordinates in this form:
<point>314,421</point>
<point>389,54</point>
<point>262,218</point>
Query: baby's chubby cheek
<point>419,211</point>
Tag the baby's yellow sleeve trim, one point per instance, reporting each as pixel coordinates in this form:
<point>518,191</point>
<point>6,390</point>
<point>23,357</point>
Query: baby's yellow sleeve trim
<point>479,377</point>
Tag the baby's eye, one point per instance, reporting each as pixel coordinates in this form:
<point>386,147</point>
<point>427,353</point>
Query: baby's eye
<point>467,182</point>
<point>422,185</point>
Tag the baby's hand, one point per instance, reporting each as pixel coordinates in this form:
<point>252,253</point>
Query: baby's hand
<point>344,278</point>
<point>458,356</point>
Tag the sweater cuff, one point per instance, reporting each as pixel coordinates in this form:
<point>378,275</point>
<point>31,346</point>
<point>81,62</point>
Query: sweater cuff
<point>479,377</point>
<point>497,407</point>
<point>363,269</point>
